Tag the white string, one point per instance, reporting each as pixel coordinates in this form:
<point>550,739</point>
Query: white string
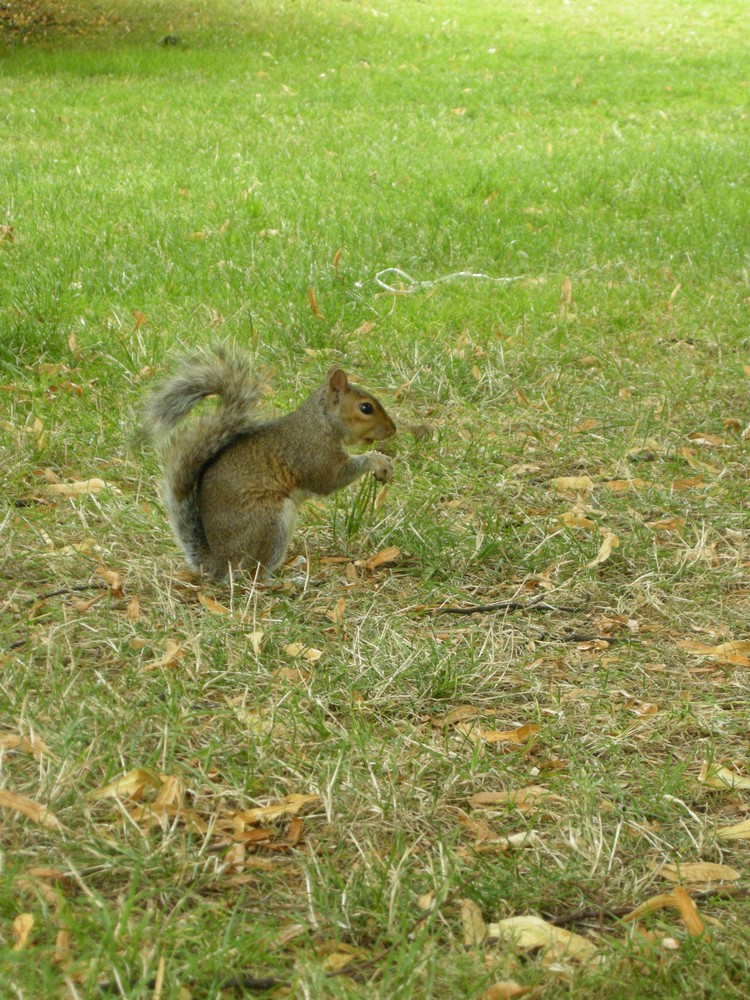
<point>416,286</point>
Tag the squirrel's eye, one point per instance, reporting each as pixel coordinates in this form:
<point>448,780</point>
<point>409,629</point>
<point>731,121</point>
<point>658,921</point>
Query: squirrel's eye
<point>366,408</point>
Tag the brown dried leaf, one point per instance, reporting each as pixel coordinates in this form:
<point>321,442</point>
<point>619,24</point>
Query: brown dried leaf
<point>388,555</point>
<point>459,714</point>
<point>112,579</point>
<point>213,606</point>
<point>133,610</point>
<point>34,811</point>
<point>520,735</point>
<point>62,952</point>
<point>313,302</point>
<point>711,440</point>
<point>623,485</point>
<point>667,524</point>
<point>734,653</point>
<point>24,744</point>
<point>691,483</point>
<point>288,806</point>
<point>505,990</point>
<point>689,912</point>
<point>337,257</point>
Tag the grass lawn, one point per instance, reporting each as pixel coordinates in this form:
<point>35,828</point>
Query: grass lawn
<point>346,790</point>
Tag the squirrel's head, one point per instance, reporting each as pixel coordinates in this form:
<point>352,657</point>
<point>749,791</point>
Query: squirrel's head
<point>361,416</point>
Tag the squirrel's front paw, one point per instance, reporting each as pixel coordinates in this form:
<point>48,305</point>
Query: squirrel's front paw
<point>381,466</point>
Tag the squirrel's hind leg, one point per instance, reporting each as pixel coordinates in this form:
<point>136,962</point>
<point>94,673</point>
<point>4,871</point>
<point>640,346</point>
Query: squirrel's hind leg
<point>264,540</point>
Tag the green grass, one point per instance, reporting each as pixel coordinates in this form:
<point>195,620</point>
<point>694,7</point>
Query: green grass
<point>164,195</point>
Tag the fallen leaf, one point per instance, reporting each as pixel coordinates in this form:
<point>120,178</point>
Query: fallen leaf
<point>505,990</point>
<point>475,929</point>
<point>735,653</point>
<point>173,653</point>
<point>77,489</point>
<point>288,806</point>
<point>113,580</point>
<point>678,900</point>
<point>213,606</point>
<point>529,933</point>
<point>566,294</point>
<point>691,483</point>
<point>667,524</point>
<point>128,785</point>
<point>520,735</point>
<point>133,610</point>
<point>313,302</point>
<point>140,319</point>
<point>586,425</point>
<point>722,777</point>
<point>388,555</point>
<point>611,541</point>
<point>525,799</point>
<point>22,926</point>
<point>24,744</point>
<point>740,831</point>
<point>698,871</point>
<point>337,258</point>
<point>306,652</point>
<point>572,519</point>
<point>573,483</point>
<point>459,714</point>
<point>63,940</point>
<point>623,485</point>
<point>32,810</point>
<point>712,440</point>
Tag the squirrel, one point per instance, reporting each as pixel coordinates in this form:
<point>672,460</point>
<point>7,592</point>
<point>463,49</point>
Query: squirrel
<point>232,480</point>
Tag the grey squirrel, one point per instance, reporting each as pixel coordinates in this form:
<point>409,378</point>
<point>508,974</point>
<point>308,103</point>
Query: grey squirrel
<point>232,480</point>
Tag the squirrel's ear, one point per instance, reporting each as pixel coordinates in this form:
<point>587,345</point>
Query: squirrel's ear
<point>337,379</point>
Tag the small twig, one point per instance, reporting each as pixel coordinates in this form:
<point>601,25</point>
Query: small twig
<point>68,590</point>
<point>536,604</point>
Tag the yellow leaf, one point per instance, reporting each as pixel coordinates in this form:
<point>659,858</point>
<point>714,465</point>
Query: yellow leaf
<point>740,831</point>
<point>689,912</point>
<point>32,810</point>
<point>528,933</point>
<point>22,926</point>
<point>459,714</point>
<point>126,786</point>
<point>475,929</point>
<point>573,483</point>
<point>698,871</point>
<point>76,489</point>
<point>173,653</point>
<point>722,777</point>
<point>691,483</point>
<point>572,519</point>
<point>306,652</point>
<point>611,541</point>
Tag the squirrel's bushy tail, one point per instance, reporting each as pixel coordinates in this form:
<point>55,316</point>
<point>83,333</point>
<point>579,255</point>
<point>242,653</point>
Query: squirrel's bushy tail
<point>220,370</point>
